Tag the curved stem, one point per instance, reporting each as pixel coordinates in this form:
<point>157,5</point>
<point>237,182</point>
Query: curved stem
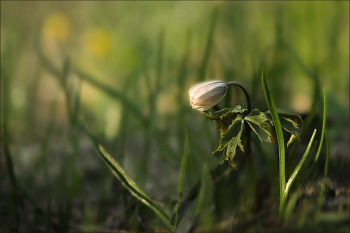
<point>247,96</point>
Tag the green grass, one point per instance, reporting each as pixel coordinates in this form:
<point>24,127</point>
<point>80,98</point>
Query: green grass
<point>51,173</point>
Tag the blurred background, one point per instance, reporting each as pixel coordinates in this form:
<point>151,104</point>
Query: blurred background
<point>125,68</point>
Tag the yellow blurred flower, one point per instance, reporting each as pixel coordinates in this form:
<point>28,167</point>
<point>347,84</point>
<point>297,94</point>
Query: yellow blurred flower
<point>97,41</point>
<point>56,27</point>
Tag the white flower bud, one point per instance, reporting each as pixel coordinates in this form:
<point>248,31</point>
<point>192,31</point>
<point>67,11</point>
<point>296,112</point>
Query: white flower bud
<point>207,94</point>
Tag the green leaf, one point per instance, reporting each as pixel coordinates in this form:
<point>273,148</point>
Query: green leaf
<point>280,139</point>
<point>261,126</point>
<point>290,122</point>
<point>231,139</point>
<point>223,113</point>
<point>224,118</point>
<point>128,183</point>
<point>292,125</point>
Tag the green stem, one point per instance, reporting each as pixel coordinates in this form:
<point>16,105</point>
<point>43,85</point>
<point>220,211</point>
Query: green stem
<point>247,96</point>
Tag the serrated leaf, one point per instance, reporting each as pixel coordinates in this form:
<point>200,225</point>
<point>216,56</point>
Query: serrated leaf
<point>261,126</point>
<point>231,139</point>
<point>232,113</point>
<point>128,183</point>
<point>223,113</point>
<point>223,125</point>
<point>292,123</point>
<point>225,118</point>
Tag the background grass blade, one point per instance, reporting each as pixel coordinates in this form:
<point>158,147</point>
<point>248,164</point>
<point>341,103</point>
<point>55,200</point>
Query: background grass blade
<point>209,44</point>
<point>182,171</point>
<point>127,182</point>
<point>291,204</point>
<point>319,204</point>
<point>323,124</point>
<point>205,177</point>
<point>132,107</point>
<point>280,140</point>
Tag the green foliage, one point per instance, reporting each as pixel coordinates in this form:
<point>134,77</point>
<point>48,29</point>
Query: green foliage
<point>261,126</point>
<point>128,183</point>
<point>278,128</point>
<point>296,172</point>
<point>181,174</point>
<point>290,122</point>
<point>231,139</point>
<point>323,124</point>
<point>140,86</point>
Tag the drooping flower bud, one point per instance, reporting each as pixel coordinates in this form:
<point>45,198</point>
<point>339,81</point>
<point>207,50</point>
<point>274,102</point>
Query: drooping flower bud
<point>207,94</point>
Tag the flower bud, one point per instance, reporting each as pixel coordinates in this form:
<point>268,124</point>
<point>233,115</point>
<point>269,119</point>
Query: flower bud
<point>207,94</point>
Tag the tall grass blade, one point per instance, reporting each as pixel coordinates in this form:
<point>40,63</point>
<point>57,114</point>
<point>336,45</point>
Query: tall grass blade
<point>205,177</point>
<point>319,204</point>
<point>127,182</point>
<point>153,118</point>
<point>310,116</point>
<point>298,59</point>
<point>131,106</point>
<point>291,204</point>
<point>297,169</point>
<point>182,171</point>
<point>280,140</point>
<point>323,124</point>
<point>159,65</point>
<point>5,107</point>
<point>204,63</point>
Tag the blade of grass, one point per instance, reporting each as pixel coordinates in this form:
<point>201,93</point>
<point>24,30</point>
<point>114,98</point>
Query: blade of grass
<point>319,204</point>
<point>45,156</point>
<point>153,118</point>
<point>298,59</point>
<point>131,106</point>
<point>205,177</point>
<point>127,182</point>
<point>204,63</point>
<point>310,116</point>
<point>323,124</point>
<point>306,173</point>
<point>280,140</point>
<point>182,171</point>
<point>291,204</point>
<point>5,112</point>
<point>297,169</point>
<point>316,97</point>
